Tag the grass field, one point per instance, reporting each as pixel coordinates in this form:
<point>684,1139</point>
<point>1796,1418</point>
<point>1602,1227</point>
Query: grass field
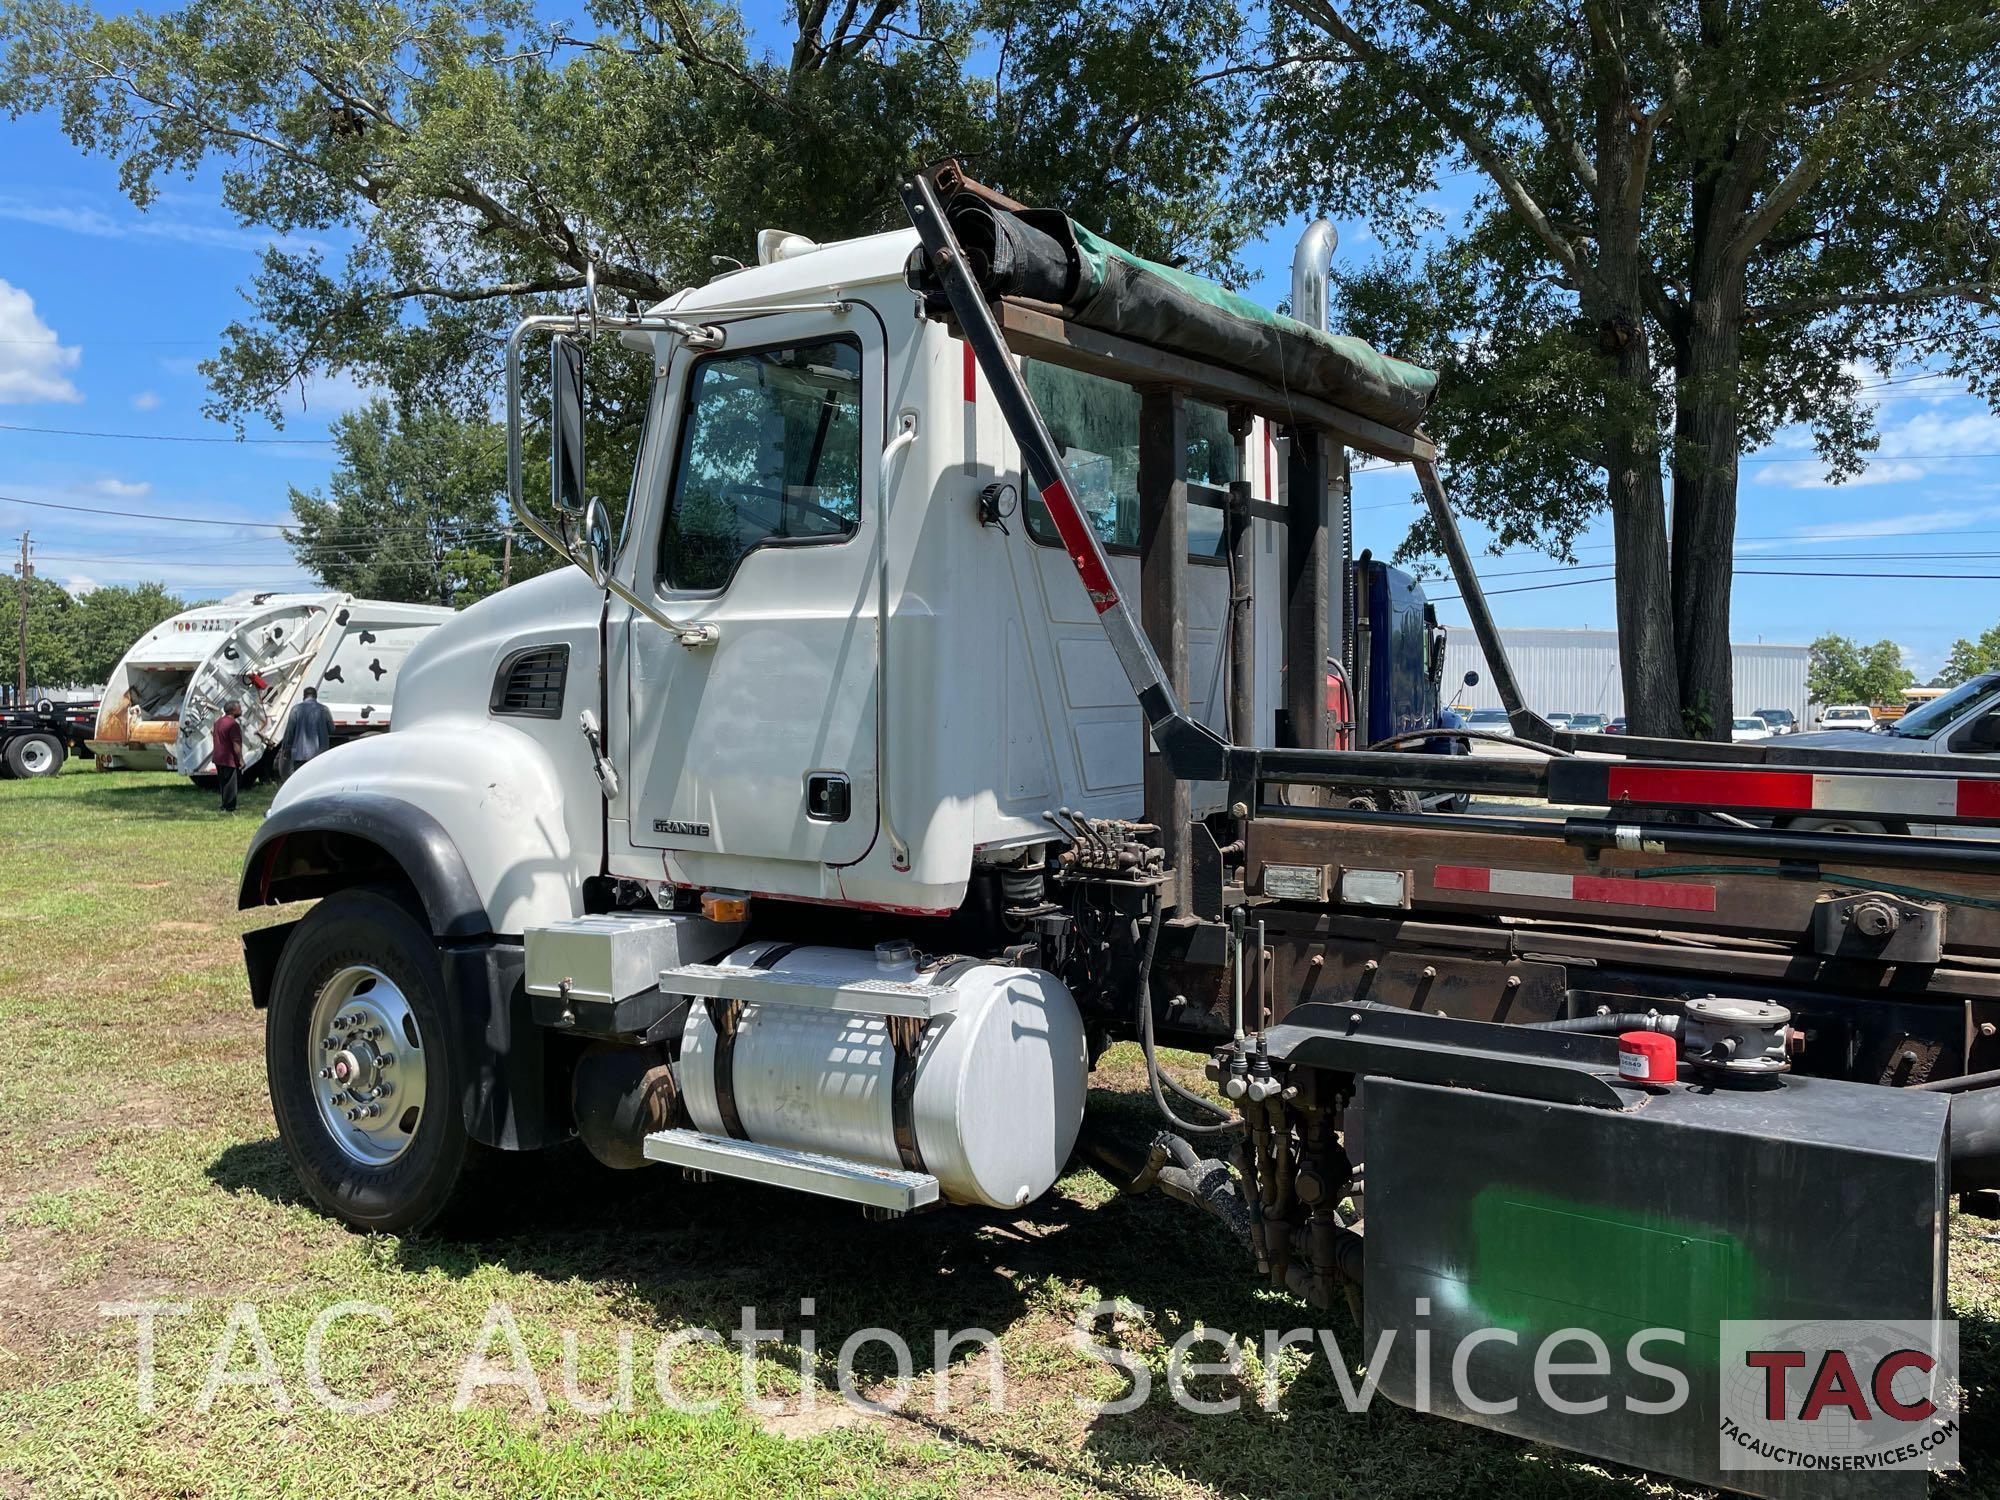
<point>138,1163</point>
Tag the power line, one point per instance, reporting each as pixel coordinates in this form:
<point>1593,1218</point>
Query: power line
<point>1571,583</point>
<point>162,437</point>
<point>141,515</point>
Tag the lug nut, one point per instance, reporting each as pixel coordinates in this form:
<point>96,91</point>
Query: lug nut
<point>354,1114</point>
<point>386,1060</point>
<point>326,1072</point>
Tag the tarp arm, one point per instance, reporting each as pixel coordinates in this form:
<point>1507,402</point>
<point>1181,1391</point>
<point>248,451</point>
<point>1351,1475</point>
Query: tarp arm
<point>1528,724</point>
<point>1191,748</point>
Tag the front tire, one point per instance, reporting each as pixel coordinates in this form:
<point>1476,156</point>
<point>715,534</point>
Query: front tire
<point>363,1066</point>
<point>34,755</point>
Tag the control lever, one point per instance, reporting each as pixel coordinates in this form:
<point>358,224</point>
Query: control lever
<point>607,774</point>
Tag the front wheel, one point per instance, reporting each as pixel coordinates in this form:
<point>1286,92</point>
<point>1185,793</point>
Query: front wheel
<point>362,1065</point>
<point>35,755</point>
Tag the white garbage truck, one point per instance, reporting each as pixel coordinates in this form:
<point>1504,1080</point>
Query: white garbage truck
<point>951,704</point>
<point>264,650</point>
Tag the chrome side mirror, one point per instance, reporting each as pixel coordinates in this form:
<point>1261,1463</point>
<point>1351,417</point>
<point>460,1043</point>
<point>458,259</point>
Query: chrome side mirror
<point>597,542</point>
<point>566,481</point>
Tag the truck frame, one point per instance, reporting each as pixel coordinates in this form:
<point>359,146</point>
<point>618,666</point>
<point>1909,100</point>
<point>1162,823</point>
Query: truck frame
<point>821,832</point>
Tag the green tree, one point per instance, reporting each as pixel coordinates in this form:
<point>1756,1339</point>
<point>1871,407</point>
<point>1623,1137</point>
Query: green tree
<point>52,658</point>
<point>414,511</point>
<point>435,166</point>
<point>107,620</point>
<point>1694,223</point>
<point>1840,671</point>
<point>1969,658</point>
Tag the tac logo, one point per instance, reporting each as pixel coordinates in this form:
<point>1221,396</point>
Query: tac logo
<point>1839,1397</point>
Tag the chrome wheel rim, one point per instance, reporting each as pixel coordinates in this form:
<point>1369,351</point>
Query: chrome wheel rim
<point>365,1056</point>
<point>36,758</point>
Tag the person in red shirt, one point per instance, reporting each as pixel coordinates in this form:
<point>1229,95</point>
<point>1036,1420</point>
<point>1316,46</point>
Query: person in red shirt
<point>227,739</point>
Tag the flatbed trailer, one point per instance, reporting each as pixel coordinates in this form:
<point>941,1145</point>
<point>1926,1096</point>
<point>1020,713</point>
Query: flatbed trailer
<point>36,740</point>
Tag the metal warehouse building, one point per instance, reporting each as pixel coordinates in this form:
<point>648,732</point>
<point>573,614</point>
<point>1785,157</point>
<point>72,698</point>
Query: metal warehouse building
<point>1576,671</point>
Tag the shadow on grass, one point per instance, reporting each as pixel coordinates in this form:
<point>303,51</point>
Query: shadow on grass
<point>678,1254</point>
<point>166,795</point>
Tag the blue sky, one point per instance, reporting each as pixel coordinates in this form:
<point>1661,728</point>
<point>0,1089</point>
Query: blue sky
<point>105,312</point>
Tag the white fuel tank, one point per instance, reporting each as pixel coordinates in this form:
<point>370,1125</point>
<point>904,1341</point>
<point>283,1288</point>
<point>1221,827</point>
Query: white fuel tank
<point>996,1092</point>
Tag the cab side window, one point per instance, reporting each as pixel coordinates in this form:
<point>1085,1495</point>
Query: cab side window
<point>770,455</point>
<point>1095,422</point>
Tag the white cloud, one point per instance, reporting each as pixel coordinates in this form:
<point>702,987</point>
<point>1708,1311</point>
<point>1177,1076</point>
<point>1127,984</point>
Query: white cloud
<point>115,489</point>
<point>32,361</point>
<point>1927,442</point>
<point>1806,477</point>
<point>146,401</point>
<point>330,395</point>
<point>79,584</point>
<point>1930,434</point>
<point>1918,523</point>
<point>135,223</point>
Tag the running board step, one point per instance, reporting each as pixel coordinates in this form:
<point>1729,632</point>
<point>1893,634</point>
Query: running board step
<point>887,1188</point>
<point>862,997</point>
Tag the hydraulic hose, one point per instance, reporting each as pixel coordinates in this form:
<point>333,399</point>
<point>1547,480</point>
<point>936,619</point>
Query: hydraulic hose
<point>1153,1074</point>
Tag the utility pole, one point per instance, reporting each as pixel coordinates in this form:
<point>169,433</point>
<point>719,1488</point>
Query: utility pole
<point>26,569</point>
<point>507,555</point>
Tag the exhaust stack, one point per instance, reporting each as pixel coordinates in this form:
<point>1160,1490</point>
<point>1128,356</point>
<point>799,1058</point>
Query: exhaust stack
<point>1311,263</point>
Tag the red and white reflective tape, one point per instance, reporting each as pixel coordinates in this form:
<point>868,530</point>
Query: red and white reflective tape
<point>1081,546</point>
<point>1607,890</point>
<point>1915,794</point>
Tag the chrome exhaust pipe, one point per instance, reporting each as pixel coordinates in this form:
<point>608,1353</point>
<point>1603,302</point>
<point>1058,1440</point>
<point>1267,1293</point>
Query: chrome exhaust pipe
<point>1312,262</point>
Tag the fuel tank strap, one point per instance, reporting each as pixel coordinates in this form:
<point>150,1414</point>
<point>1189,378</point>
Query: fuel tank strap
<point>723,1015</point>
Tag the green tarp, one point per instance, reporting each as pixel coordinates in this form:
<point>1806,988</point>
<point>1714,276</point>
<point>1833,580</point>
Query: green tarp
<point>1043,256</point>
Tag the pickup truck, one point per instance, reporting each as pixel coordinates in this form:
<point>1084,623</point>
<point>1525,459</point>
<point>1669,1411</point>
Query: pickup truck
<point>1965,721</point>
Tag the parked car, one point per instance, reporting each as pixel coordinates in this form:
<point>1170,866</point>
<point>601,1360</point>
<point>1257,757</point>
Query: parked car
<point>1781,720</point>
<point>1491,720</point>
<point>1965,721</point>
<point>1587,723</point>
<point>1749,727</point>
<point>1558,721</point>
<point>1847,716</point>
<point>1616,726</point>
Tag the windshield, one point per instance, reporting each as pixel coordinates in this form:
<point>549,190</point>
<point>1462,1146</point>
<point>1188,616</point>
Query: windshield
<point>1488,716</point>
<point>1585,721</point>
<point>1775,715</point>
<point>1922,723</point>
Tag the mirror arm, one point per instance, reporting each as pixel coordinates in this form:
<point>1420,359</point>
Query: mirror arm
<point>689,634</point>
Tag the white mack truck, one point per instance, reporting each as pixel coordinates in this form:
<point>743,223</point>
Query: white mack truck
<point>952,704</point>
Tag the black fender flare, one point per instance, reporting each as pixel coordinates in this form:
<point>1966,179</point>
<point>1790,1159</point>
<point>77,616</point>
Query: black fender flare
<point>516,1094</point>
<point>407,836</point>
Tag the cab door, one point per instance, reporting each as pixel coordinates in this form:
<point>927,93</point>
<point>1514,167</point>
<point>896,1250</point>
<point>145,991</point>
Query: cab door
<point>762,745</point>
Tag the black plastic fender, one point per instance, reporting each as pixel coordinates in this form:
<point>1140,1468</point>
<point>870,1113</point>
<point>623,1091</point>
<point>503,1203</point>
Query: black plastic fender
<point>516,1093</point>
<point>323,828</point>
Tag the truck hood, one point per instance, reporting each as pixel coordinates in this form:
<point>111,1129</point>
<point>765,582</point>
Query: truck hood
<point>1852,739</point>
